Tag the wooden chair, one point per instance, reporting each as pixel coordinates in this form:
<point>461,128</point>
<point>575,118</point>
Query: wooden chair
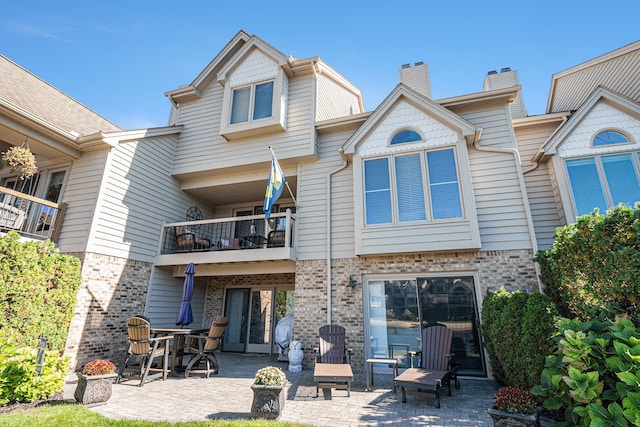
<point>275,239</point>
<point>203,347</point>
<point>143,351</point>
<point>437,365</point>
<point>333,360</point>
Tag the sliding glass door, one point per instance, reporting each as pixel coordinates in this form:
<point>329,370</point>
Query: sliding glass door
<point>399,309</point>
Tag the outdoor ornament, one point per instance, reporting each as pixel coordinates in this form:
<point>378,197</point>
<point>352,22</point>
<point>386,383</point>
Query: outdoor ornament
<point>21,160</point>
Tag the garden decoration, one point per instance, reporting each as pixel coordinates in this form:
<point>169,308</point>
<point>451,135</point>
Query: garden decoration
<point>268,393</point>
<point>95,381</point>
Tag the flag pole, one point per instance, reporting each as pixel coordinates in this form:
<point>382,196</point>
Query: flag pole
<point>285,181</point>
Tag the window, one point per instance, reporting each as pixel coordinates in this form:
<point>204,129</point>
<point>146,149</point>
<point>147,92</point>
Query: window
<point>405,135</point>
<point>609,138</point>
<point>395,191</point>
<point>604,181</point>
<point>251,103</point>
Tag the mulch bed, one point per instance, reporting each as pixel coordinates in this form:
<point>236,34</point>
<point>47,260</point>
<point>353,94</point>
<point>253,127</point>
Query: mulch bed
<point>20,406</point>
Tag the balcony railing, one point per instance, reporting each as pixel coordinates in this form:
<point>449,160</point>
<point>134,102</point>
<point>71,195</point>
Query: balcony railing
<point>223,234</point>
<point>30,216</point>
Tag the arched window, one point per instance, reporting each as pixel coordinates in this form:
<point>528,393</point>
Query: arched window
<point>609,138</point>
<point>405,135</point>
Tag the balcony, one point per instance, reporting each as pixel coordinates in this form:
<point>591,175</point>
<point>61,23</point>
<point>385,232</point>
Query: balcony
<point>29,216</point>
<point>228,245</point>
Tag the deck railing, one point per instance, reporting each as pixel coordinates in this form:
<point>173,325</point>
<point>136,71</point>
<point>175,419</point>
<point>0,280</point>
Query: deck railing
<point>30,216</point>
<point>234,233</point>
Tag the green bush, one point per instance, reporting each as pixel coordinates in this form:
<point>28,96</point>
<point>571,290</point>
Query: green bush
<point>38,289</point>
<point>518,329</point>
<point>594,375</point>
<point>593,269</point>
<point>19,381</point>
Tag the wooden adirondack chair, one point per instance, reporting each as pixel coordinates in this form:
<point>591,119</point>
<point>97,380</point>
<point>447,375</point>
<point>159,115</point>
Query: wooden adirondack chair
<point>333,360</point>
<point>437,365</point>
<point>143,351</point>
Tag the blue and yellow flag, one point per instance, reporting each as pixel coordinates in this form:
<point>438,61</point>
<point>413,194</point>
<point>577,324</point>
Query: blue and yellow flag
<point>274,187</point>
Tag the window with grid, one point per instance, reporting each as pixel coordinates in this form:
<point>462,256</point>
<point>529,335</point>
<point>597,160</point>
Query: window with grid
<point>420,186</point>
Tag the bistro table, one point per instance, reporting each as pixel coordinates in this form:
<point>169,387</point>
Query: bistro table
<point>179,335</point>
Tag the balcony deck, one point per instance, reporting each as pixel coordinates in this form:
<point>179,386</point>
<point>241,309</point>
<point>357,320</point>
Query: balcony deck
<point>29,216</point>
<point>227,245</point>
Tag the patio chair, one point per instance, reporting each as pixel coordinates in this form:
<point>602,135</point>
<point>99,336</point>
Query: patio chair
<point>437,365</point>
<point>144,351</point>
<point>203,347</point>
<point>275,239</point>
<point>188,241</point>
<point>333,360</point>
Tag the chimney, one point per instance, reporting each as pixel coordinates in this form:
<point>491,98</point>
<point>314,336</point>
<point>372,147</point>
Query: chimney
<point>416,77</point>
<point>504,79</point>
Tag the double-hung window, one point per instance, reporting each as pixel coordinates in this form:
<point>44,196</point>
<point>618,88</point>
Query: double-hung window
<point>422,186</point>
<point>252,102</point>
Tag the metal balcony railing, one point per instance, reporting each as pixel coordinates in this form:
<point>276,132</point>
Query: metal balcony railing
<point>235,233</point>
<point>30,216</point>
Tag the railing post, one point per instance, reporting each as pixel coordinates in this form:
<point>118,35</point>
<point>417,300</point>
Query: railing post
<point>287,229</point>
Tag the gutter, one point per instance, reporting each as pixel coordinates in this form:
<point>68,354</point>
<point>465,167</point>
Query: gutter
<point>345,163</point>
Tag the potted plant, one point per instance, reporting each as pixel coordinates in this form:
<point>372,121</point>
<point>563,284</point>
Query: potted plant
<point>268,393</point>
<point>94,382</point>
<point>514,407</point>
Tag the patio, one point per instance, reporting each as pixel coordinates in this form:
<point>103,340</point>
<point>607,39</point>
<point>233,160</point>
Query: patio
<point>228,396</point>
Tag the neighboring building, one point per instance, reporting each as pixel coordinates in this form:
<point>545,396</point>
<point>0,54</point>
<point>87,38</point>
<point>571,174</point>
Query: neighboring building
<point>399,218</point>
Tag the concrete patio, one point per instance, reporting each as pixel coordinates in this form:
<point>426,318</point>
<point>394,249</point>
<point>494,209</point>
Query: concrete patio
<point>228,396</point>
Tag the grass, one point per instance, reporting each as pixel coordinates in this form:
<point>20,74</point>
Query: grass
<point>64,415</point>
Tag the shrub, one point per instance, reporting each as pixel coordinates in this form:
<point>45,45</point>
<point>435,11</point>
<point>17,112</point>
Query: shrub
<point>270,375</point>
<point>38,289</point>
<point>518,329</point>
<point>593,269</point>
<point>99,367</point>
<point>19,381</point>
<point>512,399</point>
<point>594,375</point>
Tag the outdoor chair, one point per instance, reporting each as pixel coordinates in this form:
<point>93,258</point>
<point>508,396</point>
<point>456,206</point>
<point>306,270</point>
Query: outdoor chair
<point>202,348</point>
<point>437,365</point>
<point>333,360</point>
<point>144,351</point>
<point>188,241</point>
<point>275,239</point>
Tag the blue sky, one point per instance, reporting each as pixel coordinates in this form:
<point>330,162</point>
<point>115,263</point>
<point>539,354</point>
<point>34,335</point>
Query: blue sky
<point>119,57</point>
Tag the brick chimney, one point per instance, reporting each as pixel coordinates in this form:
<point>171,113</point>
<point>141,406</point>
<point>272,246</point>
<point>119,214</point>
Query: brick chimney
<point>504,79</point>
<point>416,77</point>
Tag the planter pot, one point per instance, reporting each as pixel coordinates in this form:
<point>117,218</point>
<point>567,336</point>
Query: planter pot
<point>94,389</point>
<point>511,419</point>
<point>268,401</point>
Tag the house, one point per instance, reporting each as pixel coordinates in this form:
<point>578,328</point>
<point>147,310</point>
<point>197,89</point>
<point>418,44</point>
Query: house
<point>392,220</point>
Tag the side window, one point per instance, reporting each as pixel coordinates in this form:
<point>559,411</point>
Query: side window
<point>377,189</point>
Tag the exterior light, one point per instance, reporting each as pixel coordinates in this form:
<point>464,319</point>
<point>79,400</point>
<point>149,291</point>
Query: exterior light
<point>351,286</point>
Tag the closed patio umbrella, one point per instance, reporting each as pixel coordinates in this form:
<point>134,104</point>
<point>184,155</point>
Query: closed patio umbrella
<point>185,316</point>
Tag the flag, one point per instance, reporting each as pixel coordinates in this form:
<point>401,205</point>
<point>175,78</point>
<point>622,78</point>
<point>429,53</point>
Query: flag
<point>274,187</point>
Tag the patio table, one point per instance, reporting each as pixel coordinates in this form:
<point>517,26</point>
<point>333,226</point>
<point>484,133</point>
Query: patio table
<point>333,375</point>
<point>179,335</point>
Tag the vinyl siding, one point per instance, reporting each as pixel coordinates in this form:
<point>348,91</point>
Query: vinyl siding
<point>165,297</point>
<point>201,148</point>
<point>333,100</point>
<point>540,191</point>
<point>499,198</point>
<point>81,196</point>
<point>311,219</point>
<point>618,74</point>
<point>138,196</point>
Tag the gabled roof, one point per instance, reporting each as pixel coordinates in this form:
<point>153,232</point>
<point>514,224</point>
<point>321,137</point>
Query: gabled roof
<point>574,121</point>
<point>402,91</point>
<point>26,94</point>
<point>618,70</point>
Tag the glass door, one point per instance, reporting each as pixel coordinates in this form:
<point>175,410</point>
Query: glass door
<point>236,307</point>
<point>260,321</point>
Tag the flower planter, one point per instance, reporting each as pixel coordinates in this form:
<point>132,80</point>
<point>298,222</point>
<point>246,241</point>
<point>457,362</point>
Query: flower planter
<point>268,401</point>
<point>513,419</point>
<point>94,389</point>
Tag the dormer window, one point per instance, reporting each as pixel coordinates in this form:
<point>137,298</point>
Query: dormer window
<point>252,102</point>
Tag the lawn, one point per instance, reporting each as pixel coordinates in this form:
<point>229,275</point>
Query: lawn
<point>64,415</point>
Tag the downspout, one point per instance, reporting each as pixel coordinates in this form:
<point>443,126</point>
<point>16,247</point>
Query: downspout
<point>525,198</point>
<point>345,163</point>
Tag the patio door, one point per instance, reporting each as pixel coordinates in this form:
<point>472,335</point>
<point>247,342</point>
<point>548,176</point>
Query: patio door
<point>250,314</point>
